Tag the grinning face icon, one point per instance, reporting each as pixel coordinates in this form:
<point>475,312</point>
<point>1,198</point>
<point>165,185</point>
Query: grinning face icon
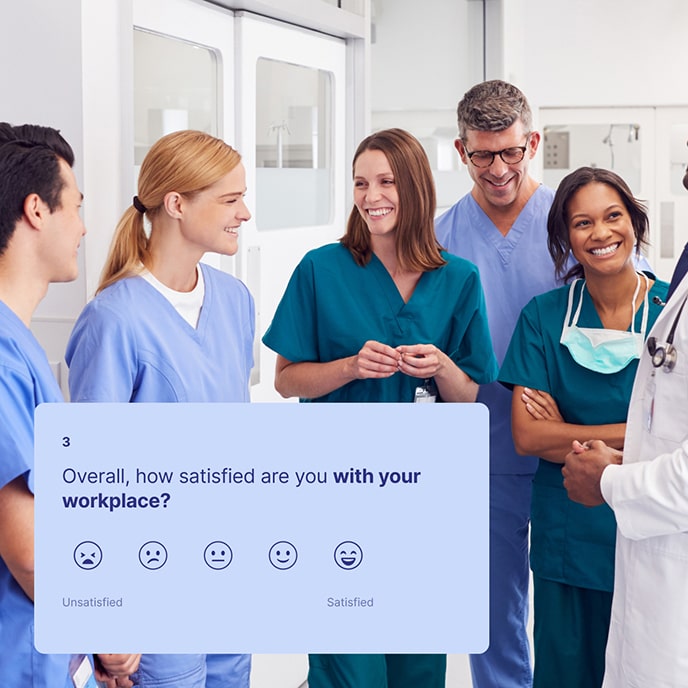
<point>153,555</point>
<point>348,555</point>
<point>218,555</point>
<point>283,555</point>
<point>87,555</point>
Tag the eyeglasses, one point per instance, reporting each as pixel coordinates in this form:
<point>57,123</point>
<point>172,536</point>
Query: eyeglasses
<point>510,156</point>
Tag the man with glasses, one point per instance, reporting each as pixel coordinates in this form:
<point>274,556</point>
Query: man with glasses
<point>501,226</point>
<point>648,635</point>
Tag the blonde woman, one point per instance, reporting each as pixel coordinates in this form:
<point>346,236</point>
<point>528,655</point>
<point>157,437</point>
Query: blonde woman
<point>165,328</point>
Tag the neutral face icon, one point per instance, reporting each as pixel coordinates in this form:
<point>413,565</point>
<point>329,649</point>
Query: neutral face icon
<point>218,555</point>
<point>348,555</point>
<point>153,555</point>
<point>87,555</point>
<point>282,555</point>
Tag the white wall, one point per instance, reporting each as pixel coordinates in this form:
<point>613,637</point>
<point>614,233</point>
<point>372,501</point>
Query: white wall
<point>107,67</point>
<point>41,73</point>
<point>430,40</point>
<point>42,84</point>
<point>612,62</point>
<point>423,59</point>
<point>596,52</point>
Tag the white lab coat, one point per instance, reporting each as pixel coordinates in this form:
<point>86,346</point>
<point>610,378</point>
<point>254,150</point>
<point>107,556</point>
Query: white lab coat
<point>648,636</point>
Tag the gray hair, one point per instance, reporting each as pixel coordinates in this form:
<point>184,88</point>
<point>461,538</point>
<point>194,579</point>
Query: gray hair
<point>492,106</point>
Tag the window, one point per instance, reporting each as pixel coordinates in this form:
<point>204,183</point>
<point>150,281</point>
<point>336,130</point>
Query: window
<point>293,145</point>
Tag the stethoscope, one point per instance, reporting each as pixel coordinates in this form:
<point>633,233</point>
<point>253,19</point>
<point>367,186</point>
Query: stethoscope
<point>664,355</point>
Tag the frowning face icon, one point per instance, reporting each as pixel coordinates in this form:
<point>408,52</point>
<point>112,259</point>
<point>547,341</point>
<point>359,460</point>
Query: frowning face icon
<point>153,555</point>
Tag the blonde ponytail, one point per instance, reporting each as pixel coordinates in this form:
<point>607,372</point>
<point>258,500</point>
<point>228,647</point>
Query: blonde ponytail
<point>185,162</point>
<point>128,251</point>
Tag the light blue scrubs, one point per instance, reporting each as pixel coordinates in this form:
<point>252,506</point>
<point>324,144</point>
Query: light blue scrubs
<point>513,269</point>
<point>331,307</point>
<point>25,381</point>
<point>130,344</point>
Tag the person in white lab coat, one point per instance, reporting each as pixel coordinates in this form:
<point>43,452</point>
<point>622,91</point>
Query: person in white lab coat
<point>647,488</point>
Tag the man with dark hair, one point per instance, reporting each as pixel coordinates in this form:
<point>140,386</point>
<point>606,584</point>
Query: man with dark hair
<point>37,134</point>
<point>40,232</point>
<point>501,226</point>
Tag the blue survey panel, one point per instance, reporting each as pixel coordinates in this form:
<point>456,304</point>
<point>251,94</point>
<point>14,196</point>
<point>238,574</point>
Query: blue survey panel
<point>263,528</point>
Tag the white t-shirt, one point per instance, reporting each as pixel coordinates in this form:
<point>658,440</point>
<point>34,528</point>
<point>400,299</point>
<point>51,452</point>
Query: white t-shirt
<point>186,303</point>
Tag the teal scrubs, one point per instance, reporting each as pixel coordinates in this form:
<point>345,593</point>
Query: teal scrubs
<point>571,544</point>
<point>331,307</point>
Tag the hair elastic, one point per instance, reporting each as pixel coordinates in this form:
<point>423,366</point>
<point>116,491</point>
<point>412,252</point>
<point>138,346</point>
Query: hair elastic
<point>138,205</point>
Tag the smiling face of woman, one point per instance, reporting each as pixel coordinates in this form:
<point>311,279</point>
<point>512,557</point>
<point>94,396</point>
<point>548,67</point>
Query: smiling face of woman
<point>600,229</point>
<point>375,192</point>
<point>214,215</point>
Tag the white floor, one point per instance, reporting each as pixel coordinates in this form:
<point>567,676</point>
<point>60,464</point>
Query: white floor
<point>289,671</point>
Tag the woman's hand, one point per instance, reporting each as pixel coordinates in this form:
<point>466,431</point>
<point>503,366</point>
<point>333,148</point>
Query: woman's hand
<point>541,405</point>
<point>312,379</point>
<point>420,360</point>
<point>375,360</point>
<point>539,429</point>
<point>427,361</point>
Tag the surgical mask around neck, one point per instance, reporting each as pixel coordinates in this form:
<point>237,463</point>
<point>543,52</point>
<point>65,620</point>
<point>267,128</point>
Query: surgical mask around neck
<point>599,349</point>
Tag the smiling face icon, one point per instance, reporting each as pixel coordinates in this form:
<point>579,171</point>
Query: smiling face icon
<point>282,555</point>
<point>87,555</point>
<point>153,555</point>
<point>348,555</point>
<point>218,555</point>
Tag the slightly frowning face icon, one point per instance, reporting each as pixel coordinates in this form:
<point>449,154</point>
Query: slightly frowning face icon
<point>348,555</point>
<point>153,555</point>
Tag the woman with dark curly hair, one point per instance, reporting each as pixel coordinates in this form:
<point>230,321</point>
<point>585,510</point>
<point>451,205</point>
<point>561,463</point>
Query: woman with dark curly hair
<point>571,362</point>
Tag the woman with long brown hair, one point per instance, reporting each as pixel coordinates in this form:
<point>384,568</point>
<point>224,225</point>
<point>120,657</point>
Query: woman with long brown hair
<point>385,315</point>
